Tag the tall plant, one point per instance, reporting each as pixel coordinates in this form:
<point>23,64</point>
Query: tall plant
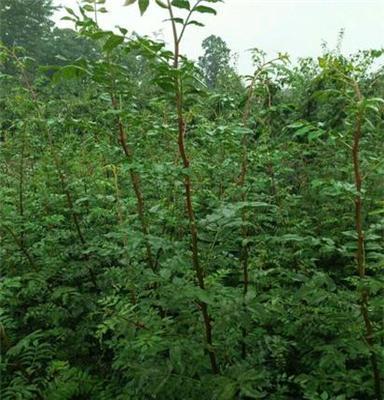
<point>175,74</point>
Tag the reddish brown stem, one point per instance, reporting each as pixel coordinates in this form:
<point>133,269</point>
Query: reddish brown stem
<point>360,253</point>
<point>136,184</point>
<point>188,195</point>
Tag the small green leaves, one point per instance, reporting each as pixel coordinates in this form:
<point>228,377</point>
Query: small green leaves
<point>129,2</point>
<point>94,226</point>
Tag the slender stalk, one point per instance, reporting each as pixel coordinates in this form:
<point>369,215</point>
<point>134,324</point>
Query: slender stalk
<point>68,195</point>
<point>188,193</point>
<point>245,119</point>
<point>120,217</point>
<point>136,184</point>
<point>21,246</point>
<point>95,11</point>
<point>27,83</point>
<point>244,252</point>
<point>21,188</point>
<point>360,253</point>
<point>186,21</point>
<point>70,204</point>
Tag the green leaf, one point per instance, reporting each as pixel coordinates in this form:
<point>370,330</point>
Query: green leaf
<point>205,9</point>
<point>70,11</point>
<point>195,23</point>
<point>161,4</point>
<point>143,5</point>
<point>68,19</point>
<point>377,100</point>
<point>69,72</point>
<point>113,42</point>
<point>88,8</point>
<point>129,2</point>
<point>122,30</point>
<point>181,4</point>
<point>177,20</point>
<point>203,295</point>
<point>228,391</point>
<point>100,34</point>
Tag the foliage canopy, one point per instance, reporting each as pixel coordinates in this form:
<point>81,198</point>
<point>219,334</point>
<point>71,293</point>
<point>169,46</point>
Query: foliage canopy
<point>170,230</point>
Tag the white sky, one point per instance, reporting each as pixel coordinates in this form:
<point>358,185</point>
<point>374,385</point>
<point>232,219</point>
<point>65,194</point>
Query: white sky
<point>297,27</point>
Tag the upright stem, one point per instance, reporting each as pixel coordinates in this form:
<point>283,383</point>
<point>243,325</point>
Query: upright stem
<point>70,204</point>
<point>21,246</point>
<point>245,119</point>
<point>27,83</point>
<point>188,195</point>
<point>68,196</point>
<point>95,11</point>
<point>121,221</point>
<point>21,188</point>
<point>135,179</point>
<point>360,253</point>
<point>244,253</point>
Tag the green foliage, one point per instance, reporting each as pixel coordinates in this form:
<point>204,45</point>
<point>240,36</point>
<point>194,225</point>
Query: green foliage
<point>216,62</point>
<point>26,23</point>
<point>98,298</point>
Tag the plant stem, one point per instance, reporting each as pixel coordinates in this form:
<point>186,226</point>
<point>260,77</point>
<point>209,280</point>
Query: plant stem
<point>21,189</point>
<point>136,184</point>
<point>188,194</point>
<point>360,254</point>
<point>29,86</point>
<point>244,252</point>
<point>120,217</point>
<point>21,245</point>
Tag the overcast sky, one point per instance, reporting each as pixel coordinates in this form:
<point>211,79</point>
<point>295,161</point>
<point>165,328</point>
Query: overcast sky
<point>297,27</point>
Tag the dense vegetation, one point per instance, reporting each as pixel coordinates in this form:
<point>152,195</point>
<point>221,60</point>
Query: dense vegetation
<point>171,230</point>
